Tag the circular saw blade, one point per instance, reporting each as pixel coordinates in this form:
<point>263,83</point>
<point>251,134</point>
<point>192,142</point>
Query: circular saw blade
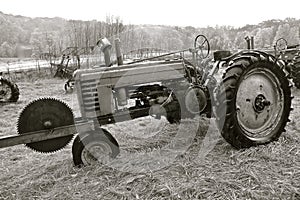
<point>42,114</point>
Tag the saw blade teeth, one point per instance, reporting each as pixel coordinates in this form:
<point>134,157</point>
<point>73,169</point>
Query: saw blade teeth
<point>39,111</point>
<point>49,152</point>
<point>24,110</point>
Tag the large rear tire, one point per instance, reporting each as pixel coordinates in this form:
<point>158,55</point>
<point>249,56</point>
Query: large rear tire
<point>254,105</point>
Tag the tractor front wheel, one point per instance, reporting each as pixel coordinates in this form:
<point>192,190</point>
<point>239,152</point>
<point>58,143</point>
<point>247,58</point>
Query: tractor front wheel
<point>94,147</point>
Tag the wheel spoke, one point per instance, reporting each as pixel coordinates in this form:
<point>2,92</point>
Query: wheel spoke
<point>201,44</point>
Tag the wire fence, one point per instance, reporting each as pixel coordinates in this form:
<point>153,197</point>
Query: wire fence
<point>32,67</point>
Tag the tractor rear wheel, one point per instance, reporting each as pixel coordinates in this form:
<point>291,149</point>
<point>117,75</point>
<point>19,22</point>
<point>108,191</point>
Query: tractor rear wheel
<point>254,105</point>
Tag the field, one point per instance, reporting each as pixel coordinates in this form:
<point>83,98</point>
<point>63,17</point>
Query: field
<point>209,168</point>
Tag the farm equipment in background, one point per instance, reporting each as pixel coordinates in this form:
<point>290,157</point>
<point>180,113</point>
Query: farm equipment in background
<point>251,104</point>
<point>64,69</point>
<point>9,91</point>
<point>288,54</point>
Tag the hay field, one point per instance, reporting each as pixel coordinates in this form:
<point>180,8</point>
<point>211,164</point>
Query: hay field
<point>208,169</point>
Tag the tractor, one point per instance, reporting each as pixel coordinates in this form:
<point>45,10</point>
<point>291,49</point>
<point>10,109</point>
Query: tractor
<point>251,103</point>
<point>289,55</point>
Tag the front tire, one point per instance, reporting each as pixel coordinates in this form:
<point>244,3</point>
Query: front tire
<point>94,147</point>
<point>254,105</point>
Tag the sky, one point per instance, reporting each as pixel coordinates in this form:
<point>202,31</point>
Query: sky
<point>197,13</point>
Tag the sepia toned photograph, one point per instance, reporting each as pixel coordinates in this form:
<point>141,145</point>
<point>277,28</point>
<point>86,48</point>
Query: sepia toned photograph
<point>149,100</point>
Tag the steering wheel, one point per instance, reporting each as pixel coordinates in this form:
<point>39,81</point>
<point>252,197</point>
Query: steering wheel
<point>202,46</point>
<point>281,44</point>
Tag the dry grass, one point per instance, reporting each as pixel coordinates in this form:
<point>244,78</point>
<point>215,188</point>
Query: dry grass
<point>265,172</point>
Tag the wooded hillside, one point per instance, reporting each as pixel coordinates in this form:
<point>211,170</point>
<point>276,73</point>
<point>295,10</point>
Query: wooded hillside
<point>53,35</point>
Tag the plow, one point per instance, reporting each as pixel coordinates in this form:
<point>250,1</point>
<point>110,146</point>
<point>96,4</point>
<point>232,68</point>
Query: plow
<point>251,103</point>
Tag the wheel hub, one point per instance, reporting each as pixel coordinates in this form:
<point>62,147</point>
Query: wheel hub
<point>47,124</point>
<point>96,152</point>
<point>260,103</point>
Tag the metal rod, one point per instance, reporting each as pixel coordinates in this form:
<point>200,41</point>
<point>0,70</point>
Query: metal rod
<point>37,136</point>
<point>163,55</point>
<point>42,135</point>
<point>252,42</point>
<point>248,42</point>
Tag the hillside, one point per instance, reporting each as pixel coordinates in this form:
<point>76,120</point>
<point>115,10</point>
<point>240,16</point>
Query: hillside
<point>53,35</point>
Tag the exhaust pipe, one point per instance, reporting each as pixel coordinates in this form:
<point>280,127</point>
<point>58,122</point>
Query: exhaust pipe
<point>250,42</point>
<point>118,51</point>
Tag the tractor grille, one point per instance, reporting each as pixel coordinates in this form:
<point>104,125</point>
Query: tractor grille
<point>90,97</point>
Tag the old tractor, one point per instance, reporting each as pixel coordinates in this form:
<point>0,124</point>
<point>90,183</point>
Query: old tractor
<point>288,54</point>
<point>9,91</point>
<point>251,103</point>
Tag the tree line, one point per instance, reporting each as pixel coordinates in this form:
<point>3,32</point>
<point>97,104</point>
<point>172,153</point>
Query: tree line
<point>53,35</point>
